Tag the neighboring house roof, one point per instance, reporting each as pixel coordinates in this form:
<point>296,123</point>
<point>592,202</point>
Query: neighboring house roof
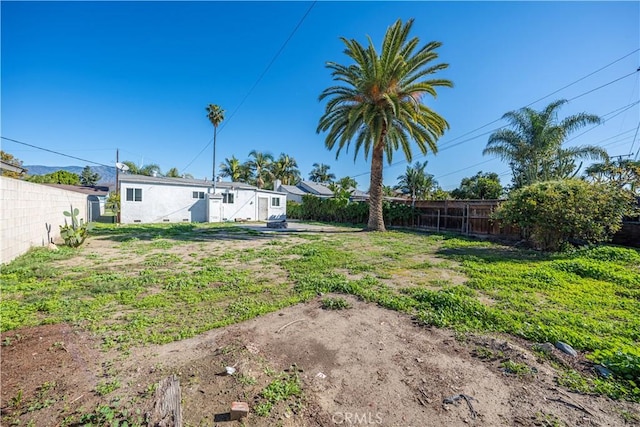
<point>191,182</point>
<point>91,191</point>
<point>292,189</point>
<point>11,167</point>
<point>315,189</point>
<point>319,190</point>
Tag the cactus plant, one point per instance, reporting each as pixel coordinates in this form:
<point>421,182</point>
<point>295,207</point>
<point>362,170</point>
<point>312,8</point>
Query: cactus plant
<point>75,233</point>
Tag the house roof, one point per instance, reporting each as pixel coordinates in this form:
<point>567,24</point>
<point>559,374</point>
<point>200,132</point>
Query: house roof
<point>292,189</point>
<point>315,188</point>
<point>91,191</point>
<point>191,182</point>
<point>11,167</point>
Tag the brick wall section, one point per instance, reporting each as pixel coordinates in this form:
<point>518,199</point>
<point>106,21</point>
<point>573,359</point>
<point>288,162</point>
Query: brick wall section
<point>25,210</point>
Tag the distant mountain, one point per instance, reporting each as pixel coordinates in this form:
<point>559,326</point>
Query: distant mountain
<point>107,174</point>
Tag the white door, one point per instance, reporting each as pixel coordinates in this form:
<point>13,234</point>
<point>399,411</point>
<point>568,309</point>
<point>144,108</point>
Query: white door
<point>263,208</point>
<point>215,206</point>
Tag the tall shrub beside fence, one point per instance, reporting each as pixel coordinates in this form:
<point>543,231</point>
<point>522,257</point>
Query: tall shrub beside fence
<point>314,208</point>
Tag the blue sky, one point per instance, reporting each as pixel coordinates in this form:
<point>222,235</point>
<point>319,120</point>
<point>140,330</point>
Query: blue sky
<point>85,78</point>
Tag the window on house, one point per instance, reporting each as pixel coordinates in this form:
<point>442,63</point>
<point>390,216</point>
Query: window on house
<point>198,194</point>
<point>275,201</point>
<point>227,198</point>
<point>134,194</point>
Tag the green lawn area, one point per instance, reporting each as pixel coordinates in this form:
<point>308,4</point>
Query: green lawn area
<point>133,285</point>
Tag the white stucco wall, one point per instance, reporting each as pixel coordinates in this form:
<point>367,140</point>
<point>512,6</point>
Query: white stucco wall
<point>245,205</point>
<point>162,203</point>
<point>168,202</point>
<point>25,211</point>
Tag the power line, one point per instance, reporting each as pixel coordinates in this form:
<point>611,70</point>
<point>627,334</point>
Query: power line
<point>604,85</point>
<point>617,113</point>
<point>588,75</point>
<point>55,152</point>
<point>553,93</point>
<point>634,140</point>
<point>447,145</point>
<point>267,68</point>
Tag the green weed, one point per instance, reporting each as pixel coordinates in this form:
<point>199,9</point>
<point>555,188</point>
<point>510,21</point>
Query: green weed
<point>520,370</point>
<point>105,387</point>
<point>281,389</point>
<point>335,303</point>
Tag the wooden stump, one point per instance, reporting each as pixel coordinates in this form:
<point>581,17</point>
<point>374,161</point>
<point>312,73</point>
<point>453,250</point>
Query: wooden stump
<point>168,411</point>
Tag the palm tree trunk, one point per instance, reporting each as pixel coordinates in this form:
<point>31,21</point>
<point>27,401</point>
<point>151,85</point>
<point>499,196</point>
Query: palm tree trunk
<point>376,219</point>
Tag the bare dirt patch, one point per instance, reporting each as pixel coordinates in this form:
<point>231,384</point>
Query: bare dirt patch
<point>359,366</point>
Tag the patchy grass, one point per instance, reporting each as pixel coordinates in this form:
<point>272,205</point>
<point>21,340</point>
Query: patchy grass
<point>175,281</point>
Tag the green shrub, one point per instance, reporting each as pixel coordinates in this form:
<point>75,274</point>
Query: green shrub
<point>554,213</point>
<point>340,210</point>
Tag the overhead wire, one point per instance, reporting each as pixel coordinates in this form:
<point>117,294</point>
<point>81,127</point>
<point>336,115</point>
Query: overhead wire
<point>258,80</point>
<point>447,145</point>
<point>54,152</point>
<point>552,93</point>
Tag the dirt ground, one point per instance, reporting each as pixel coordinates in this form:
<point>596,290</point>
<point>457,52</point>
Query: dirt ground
<point>359,366</point>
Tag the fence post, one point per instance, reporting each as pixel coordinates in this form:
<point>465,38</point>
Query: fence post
<point>468,218</point>
<point>438,221</point>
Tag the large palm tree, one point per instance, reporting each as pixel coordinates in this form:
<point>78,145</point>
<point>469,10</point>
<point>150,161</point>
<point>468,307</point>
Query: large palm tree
<point>533,145</point>
<point>260,164</point>
<point>231,168</point>
<point>285,168</point>
<point>215,114</point>
<point>320,173</point>
<point>378,104</point>
<point>416,182</point>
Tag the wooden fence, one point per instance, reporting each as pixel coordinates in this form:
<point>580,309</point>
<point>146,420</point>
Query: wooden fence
<point>473,217</point>
<point>461,216</point>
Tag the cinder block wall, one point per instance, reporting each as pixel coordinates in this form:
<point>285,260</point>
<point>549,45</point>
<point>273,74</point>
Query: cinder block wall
<point>25,210</point>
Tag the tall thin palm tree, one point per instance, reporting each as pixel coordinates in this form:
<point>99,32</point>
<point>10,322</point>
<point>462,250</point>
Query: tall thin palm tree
<point>378,104</point>
<point>231,168</point>
<point>320,173</point>
<point>285,168</point>
<point>216,116</point>
<point>533,146</point>
<point>261,166</point>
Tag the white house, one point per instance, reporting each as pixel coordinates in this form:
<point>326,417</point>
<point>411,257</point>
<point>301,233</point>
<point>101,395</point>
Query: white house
<point>148,199</point>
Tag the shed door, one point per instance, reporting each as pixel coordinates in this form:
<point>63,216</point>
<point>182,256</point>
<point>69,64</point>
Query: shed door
<point>263,206</point>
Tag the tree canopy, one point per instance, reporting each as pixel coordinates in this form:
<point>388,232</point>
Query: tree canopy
<point>533,145</point>
<point>320,174</point>
<point>57,177</point>
<point>88,178</point>
<point>10,159</point>
<point>480,186</point>
<point>416,183</point>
